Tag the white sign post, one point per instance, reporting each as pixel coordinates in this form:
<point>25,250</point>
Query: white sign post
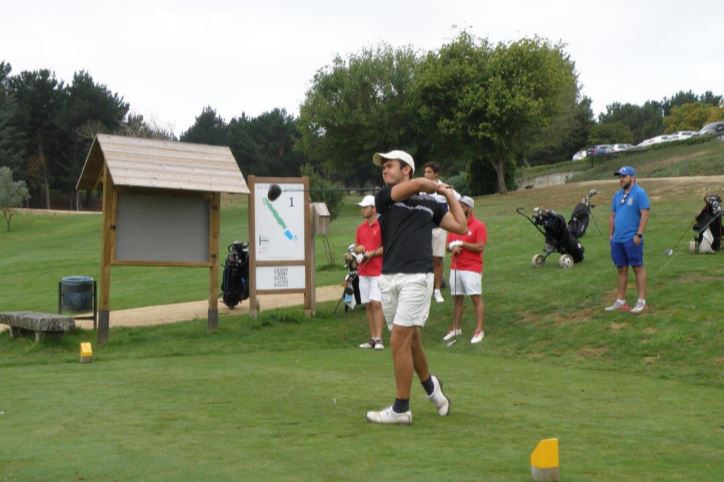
<point>281,258</point>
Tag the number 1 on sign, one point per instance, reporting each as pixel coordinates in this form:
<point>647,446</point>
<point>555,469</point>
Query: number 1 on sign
<point>291,202</point>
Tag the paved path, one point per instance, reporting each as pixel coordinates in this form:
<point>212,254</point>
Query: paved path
<point>162,314</point>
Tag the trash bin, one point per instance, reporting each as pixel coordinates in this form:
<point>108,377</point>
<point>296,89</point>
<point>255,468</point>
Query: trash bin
<point>77,293</point>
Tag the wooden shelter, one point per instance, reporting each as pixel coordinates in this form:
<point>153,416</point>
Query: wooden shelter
<point>161,207</point>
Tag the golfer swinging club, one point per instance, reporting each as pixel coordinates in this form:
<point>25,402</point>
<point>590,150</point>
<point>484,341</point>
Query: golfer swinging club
<point>406,220</point>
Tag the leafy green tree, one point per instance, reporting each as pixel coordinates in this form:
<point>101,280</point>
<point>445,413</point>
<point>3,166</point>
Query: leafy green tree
<point>716,114</point>
<point>689,97</point>
<point>687,117</point>
<point>39,98</point>
<point>496,100</point>
<point>644,121</point>
<point>323,189</point>
<point>12,195</point>
<point>208,128</point>
<point>561,140</point>
<point>360,105</point>
<point>134,125</point>
<point>89,108</point>
<point>12,137</point>
<point>264,145</point>
<point>610,133</point>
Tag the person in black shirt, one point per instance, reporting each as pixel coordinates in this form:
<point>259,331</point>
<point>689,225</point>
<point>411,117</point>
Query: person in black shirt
<point>406,221</point>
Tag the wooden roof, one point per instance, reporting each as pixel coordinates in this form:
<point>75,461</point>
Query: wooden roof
<point>159,164</point>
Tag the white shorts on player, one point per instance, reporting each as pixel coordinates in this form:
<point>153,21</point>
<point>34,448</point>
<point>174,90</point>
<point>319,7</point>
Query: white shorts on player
<point>465,283</point>
<point>369,289</point>
<point>406,298</point>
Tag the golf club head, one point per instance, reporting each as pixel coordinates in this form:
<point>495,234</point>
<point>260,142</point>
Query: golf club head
<point>274,192</point>
<point>452,342</point>
<point>668,252</point>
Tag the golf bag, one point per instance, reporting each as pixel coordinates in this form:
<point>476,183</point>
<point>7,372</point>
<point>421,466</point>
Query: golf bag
<point>560,236</point>
<point>350,295</point>
<point>235,280</point>
<point>708,227</point>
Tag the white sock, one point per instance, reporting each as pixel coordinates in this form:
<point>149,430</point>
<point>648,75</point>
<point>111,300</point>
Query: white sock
<point>437,292</point>
<point>641,301</point>
<point>620,301</point>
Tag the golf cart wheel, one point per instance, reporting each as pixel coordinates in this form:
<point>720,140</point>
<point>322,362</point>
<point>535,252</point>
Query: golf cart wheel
<point>692,246</point>
<point>565,261</point>
<point>538,260</point>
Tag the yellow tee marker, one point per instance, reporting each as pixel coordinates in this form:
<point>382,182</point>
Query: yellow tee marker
<point>86,353</point>
<point>544,463</point>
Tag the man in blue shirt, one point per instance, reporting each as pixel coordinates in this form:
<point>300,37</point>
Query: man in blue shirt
<point>629,215</point>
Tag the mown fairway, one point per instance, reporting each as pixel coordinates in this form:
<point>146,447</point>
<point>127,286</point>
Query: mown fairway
<point>284,397</point>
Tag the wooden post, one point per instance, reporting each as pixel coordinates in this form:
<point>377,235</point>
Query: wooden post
<point>107,250</point>
<point>214,226</point>
<point>253,302</point>
<point>310,291</point>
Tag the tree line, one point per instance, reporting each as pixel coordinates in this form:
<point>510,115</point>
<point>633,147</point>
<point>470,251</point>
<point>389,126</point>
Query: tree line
<point>476,107</point>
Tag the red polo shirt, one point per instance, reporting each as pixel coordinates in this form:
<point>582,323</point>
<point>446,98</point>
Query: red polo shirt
<point>370,236</point>
<point>468,260</point>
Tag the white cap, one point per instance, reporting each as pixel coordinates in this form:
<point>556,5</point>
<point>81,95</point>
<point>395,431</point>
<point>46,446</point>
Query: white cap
<point>379,158</point>
<point>368,200</point>
<point>468,201</point>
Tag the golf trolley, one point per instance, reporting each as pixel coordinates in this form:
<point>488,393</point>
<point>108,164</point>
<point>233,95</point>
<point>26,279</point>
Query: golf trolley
<point>351,295</point>
<point>235,280</point>
<point>560,236</point>
<point>708,227</point>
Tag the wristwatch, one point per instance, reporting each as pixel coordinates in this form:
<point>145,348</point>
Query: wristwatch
<point>640,235</point>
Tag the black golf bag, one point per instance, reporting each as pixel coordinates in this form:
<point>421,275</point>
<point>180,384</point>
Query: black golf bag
<point>235,280</point>
<point>350,295</point>
<point>560,236</point>
<point>708,227</point>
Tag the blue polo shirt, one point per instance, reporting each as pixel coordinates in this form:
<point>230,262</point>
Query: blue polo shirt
<point>627,211</point>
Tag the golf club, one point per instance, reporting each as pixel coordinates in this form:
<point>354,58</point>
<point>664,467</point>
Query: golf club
<point>455,330</point>
<point>670,251</point>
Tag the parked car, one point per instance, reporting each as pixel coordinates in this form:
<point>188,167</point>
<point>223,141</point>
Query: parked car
<point>681,135</point>
<point>580,155</point>
<point>620,147</point>
<point>654,140</point>
<point>713,129</point>
<point>598,150</point>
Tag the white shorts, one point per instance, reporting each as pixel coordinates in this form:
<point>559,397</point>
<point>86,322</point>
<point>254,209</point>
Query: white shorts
<point>465,283</point>
<point>406,298</point>
<point>439,241</point>
<point>369,289</point>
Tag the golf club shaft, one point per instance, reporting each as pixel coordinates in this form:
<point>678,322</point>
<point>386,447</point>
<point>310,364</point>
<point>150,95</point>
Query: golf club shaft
<point>682,237</point>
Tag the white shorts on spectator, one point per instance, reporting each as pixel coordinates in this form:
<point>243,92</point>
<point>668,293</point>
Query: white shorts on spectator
<point>465,283</point>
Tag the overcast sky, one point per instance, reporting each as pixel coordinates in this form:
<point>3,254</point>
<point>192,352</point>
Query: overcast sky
<point>170,59</point>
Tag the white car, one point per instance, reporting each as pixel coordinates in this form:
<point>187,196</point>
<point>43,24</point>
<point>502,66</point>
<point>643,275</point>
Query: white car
<point>680,136</point>
<point>620,147</point>
<point>580,155</point>
<point>654,140</point>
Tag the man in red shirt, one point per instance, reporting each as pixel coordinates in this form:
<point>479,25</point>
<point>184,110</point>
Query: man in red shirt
<point>466,271</point>
<point>370,237</point>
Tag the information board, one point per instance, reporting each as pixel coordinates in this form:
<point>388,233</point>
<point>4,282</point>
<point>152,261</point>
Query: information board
<point>279,229</point>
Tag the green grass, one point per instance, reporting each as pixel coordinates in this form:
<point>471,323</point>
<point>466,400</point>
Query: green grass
<point>631,398</point>
<point>283,398</point>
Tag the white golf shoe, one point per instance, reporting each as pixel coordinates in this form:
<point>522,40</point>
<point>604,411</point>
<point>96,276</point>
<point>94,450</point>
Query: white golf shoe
<point>477,337</point>
<point>438,398</point>
<point>452,334</point>
<point>639,308</point>
<point>618,305</point>
<point>389,416</point>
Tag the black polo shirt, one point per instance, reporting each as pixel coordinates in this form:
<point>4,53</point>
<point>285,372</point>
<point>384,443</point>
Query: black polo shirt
<point>407,231</point>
